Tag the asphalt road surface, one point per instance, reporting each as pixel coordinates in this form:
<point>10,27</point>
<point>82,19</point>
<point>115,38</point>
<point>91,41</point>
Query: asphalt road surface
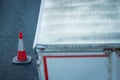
<point>15,16</point>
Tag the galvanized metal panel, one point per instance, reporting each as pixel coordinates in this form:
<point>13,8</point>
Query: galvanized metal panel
<point>78,69</point>
<point>75,65</point>
<point>87,67</point>
<point>115,70</point>
<point>78,22</point>
<point>118,68</point>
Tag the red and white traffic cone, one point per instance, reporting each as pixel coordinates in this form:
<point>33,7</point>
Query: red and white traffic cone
<point>21,57</point>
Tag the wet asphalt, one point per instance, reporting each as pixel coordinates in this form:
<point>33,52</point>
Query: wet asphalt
<point>15,16</point>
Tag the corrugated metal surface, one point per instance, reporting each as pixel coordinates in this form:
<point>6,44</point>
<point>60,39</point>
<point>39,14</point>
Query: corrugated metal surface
<point>78,22</point>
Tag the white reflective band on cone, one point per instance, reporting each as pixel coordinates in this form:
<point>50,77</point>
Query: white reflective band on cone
<point>20,45</point>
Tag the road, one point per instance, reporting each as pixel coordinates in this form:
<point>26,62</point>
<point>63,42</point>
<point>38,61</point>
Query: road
<point>15,16</point>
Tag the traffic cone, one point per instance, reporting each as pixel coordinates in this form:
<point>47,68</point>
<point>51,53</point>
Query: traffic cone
<point>22,57</point>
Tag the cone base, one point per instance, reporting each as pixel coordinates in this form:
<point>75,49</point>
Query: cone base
<point>15,60</point>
